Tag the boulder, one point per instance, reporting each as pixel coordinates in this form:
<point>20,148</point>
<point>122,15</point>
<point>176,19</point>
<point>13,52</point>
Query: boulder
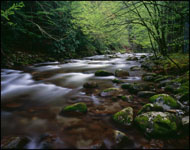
<point>148,78</point>
<point>185,123</point>
<point>90,85</point>
<point>164,100</point>
<point>133,58</point>
<point>103,73</point>
<point>135,87</point>
<point>145,94</point>
<point>109,92</point>
<point>143,56</point>
<point>157,124</point>
<point>150,107</point>
<point>121,73</point>
<point>77,107</point>
<point>117,81</point>
<point>127,98</point>
<point>135,68</point>
<point>124,117</point>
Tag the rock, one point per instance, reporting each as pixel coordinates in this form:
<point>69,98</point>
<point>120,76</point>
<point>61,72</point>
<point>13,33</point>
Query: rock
<point>157,124</point>
<point>185,123</point>
<point>127,98</point>
<point>143,56</point>
<point>132,58</point>
<point>184,98</point>
<point>117,81</point>
<point>109,92</point>
<point>161,78</point>
<point>14,142</point>
<point>148,78</point>
<point>103,73</point>
<point>135,87</point>
<point>119,136</point>
<point>148,65</point>
<point>114,56</point>
<point>145,94</point>
<point>77,107</point>
<point>150,107</point>
<point>90,85</point>
<point>135,68</point>
<point>164,100</point>
<point>170,88</point>
<point>124,117</point>
<point>149,74</point>
<point>121,73</point>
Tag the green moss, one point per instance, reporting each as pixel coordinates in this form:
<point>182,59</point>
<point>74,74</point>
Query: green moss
<point>126,86</point>
<point>117,81</point>
<point>165,98</point>
<point>110,89</point>
<point>124,117</point>
<point>142,122</point>
<point>103,73</point>
<point>150,107</point>
<point>78,107</point>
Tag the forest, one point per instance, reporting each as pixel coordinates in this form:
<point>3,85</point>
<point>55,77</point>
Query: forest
<point>95,74</point>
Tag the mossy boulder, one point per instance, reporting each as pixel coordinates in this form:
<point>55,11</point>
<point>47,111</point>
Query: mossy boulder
<point>148,78</point>
<point>132,58</point>
<point>164,100</point>
<point>135,87</point>
<point>90,85</point>
<point>185,124</point>
<point>143,56</point>
<point>145,94</point>
<point>157,124</point>
<point>117,81</point>
<point>184,98</point>
<point>121,73</point>
<point>127,98</point>
<point>103,73</point>
<point>77,107</point>
<point>149,74</point>
<point>124,117</point>
<point>109,92</point>
<point>135,68</point>
<point>150,107</point>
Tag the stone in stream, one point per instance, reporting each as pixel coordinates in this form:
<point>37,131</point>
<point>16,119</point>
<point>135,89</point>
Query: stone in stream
<point>145,94</point>
<point>121,73</point>
<point>150,107</point>
<point>185,124</point>
<point>77,107</point>
<point>103,73</point>
<point>135,87</point>
<point>135,68</point>
<point>133,58</point>
<point>110,92</point>
<point>143,56</point>
<point>164,100</point>
<point>117,81</point>
<point>14,142</point>
<point>90,85</point>
<point>124,117</point>
<point>127,98</point>
<point>157,124</point>
<point>184,98</point>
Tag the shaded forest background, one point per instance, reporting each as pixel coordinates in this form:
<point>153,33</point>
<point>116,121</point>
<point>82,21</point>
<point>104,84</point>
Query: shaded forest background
<point>41,31</point>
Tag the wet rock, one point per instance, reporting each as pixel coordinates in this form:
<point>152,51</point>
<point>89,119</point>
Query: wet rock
<point>117,81</point>
<point>150,107</point>
<point>109,92</point>
<point>14,142</point>
<point>145,94</point>
<point>157,124</point>
<point>135,87</point>
<point>143,56</point>
<point>103,73</point>
<point>90,85</point>
<point>77,107</point>
<point>114,56</point>
<point>124,117</point>
<point>164,100</point>
<point>148,78</point>
<point>135,68</point>
<point>133,58</point>
<point>121,73</point>
<point>127,98</point>
<point>148,65</point>
<point>185,123</point>
<point>149,74</point>
<point>161,78</point>
<point>185,98</point>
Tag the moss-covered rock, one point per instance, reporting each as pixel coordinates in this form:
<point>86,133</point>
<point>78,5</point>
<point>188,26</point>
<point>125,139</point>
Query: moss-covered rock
<point>132,58</point>
<point>135,87</point>
<point>135,68</point>
<point>121,73</point>
<point>148,78</point>
<point>90,85</point>
<point>109,92</point>
<point>77,107</point>
<point>161,99</point>
<point>145,94</point>
<point>150,107</point>
<point>157,124</point>
<point>143,56</point>
<point>124,117</point>
<point>103,73</point>
<point>127,98</point>
<point>117,81</point>
<point>184,97</point>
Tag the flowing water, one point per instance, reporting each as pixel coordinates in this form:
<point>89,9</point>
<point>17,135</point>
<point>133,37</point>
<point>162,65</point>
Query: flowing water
<point>33,97</point>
